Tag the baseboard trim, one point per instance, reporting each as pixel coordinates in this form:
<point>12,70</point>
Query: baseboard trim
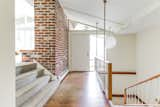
<point>124,72</point>
<point>118,95</point>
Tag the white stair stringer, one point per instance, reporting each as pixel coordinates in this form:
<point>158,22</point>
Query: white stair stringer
<point>26,92</point>
<point>42,96</point>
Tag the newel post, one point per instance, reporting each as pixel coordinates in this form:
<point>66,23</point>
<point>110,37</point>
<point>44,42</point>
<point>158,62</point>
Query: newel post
<point>110,81</point>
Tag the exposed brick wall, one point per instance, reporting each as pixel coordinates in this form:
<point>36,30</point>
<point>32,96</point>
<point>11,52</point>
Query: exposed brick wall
<point>51,36</point>
<point>61,48</point>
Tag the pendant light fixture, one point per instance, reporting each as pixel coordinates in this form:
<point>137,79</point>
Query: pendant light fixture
<point>105,2</point>
<point>109,40</point>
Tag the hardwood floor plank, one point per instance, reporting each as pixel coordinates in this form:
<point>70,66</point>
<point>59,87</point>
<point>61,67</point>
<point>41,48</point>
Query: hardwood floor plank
<point>79,89</point>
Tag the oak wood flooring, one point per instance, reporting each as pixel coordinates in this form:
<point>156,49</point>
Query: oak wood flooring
<point>79,89</point>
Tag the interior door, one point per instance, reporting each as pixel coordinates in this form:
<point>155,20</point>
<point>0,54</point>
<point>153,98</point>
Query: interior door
<point>79,52</point>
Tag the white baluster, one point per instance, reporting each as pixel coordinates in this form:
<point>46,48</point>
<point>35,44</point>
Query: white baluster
<point>126,96</point>
<point>156,95</point>
<point>142,91</point>
<point>128,99</point>
<point>129,96</point>
<point>158,89</point>
<point>149,91</point>
<point>136,95</point>
<point>132,95</point>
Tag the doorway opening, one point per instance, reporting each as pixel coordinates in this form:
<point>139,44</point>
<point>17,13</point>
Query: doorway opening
<point>84,46</point>
<point>96,49</point>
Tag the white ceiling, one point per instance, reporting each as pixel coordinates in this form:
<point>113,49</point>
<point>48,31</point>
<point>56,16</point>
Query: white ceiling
<point>123,16</point>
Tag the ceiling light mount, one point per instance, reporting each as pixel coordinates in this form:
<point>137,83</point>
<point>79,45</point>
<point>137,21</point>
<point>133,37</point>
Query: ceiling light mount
<point>105,1</point>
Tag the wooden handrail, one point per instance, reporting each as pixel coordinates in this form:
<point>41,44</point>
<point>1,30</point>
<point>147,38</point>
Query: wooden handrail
<point>139,83</point>
<point>109,81</point>
<point>144,81</point>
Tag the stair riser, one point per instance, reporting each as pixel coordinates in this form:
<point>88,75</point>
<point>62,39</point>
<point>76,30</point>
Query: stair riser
<point>33,85</point>
<point>21,83</point>
<point>43,96</point>
<point>33,91</point>
<point>47,96</point>
<point>27,78</point>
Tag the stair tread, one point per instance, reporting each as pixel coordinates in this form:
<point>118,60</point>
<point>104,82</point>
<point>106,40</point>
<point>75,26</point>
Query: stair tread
<point>25,67</point>
<point>28,77</point>
<point>34,86</point>
<point>42,96</point>
<point>21,76</point>
<point>26,88</point>
<point>25,93</point>
<point>24,63</point>
<point>24,79</point>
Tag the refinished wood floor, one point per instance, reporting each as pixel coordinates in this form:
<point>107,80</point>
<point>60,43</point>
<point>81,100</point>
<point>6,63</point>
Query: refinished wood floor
<point>79,89</point>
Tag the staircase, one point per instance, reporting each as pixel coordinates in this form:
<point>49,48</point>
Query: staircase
<point>34,85</point>
<point>142,94</point>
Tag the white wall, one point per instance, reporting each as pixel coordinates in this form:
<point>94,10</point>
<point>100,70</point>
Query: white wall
<point>7,73</point>
<point>148,53</point>
<point>123,56</point>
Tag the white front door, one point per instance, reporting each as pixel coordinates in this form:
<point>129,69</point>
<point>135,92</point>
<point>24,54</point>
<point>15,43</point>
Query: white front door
<point>79,52</point>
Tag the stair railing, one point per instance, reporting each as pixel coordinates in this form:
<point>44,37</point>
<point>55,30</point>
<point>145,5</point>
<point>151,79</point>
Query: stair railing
<point>104,74</point>
<point>144,92</point>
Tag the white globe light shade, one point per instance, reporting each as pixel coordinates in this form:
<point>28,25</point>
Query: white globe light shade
<point>111,42</point>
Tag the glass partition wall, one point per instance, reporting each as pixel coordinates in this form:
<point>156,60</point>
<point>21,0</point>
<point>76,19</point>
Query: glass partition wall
<point>96,40</point>
<point>97,51</point>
